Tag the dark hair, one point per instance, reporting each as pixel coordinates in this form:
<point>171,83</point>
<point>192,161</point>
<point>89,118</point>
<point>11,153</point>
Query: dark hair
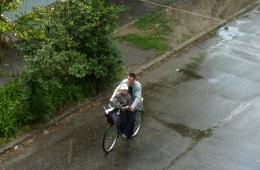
<point>132,75</point>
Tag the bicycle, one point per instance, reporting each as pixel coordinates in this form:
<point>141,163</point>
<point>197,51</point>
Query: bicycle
<point>112,133</point>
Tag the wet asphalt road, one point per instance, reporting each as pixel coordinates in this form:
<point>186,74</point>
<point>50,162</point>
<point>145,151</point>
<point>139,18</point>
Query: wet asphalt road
<point>204,117</point>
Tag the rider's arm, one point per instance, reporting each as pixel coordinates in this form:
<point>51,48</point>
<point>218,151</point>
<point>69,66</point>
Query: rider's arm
<point>138,96</point>
<point>115,102</point>
<point>115,92</point>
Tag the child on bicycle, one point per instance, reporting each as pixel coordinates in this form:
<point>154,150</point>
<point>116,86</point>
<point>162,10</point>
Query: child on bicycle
<point>122,100</point>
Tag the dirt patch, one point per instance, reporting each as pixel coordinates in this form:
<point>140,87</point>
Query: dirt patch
<point>185,26</point>
<point>129,29</point>
<point>176,28</point>
<point>215,8</point>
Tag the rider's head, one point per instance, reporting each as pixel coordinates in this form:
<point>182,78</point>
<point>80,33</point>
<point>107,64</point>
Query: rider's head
<point>124,89</point>
<point>131,79</point>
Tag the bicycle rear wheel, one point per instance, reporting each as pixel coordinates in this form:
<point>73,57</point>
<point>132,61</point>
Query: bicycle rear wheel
<point>138,122</point>
<point>110,138</point>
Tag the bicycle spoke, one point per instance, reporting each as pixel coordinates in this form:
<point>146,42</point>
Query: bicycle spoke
<point>110,138</point>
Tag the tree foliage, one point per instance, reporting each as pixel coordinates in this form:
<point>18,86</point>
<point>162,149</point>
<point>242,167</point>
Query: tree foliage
<point>69,54</point>
<point>6,5</point>
<point>72,46</point>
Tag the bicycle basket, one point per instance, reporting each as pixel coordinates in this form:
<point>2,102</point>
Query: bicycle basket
<point>114,118</point>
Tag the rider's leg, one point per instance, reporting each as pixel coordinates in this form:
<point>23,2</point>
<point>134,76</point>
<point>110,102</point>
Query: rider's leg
<point>123,117</point>
<point>126,124</point>
<point>131,123</point>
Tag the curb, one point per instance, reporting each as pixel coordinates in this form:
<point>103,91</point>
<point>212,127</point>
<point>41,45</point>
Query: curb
<point>141,71</point>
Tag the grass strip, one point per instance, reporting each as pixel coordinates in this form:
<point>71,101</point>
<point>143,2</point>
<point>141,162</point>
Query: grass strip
<point>146,41</point>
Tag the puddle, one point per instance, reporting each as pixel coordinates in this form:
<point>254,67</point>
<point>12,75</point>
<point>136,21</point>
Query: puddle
<point>196,62</point>
<point>195,134</point>
<point>187,73</point>
<point>190,71</point>
<point>184,130</point>
<point>190,74</point>
<point>196,139</point>
<point>229,33</point>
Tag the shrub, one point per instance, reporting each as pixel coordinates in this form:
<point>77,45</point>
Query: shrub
<point>73,55</point>
<point>13,111</point>
<point>69,55</point>
<point>6,5</point>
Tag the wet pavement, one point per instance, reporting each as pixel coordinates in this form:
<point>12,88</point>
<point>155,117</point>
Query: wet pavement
<point>205,115</point>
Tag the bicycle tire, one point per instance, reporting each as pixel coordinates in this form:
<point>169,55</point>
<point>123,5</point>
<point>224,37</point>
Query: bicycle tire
<point>138,123</point>
<point>110,138</point>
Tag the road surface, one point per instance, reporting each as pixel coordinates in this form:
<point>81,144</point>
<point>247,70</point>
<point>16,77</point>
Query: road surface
<point>205,115</point>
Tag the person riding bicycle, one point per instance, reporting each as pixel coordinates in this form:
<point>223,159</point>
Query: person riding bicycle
<point>122,101</point>
<point>135,91</point>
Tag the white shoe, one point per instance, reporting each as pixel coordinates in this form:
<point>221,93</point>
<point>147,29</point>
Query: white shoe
<point>124,136</point>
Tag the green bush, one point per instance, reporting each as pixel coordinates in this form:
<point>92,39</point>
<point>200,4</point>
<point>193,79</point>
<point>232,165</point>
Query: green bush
<point>6,5</point>
<point>13,111</point>
<point>73,55</point>
<point>69,55</point>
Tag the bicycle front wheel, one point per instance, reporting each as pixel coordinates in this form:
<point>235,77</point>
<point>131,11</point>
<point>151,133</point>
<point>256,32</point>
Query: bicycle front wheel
<point>110,138</point>
<point>138,122</point>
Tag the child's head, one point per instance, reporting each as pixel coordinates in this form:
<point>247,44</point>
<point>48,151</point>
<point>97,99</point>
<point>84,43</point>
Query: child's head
<point>124,89</point>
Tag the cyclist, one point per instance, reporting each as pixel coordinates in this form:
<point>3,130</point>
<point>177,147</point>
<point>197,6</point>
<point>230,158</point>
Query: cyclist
<point>135,91</point>
<point>122,100</point>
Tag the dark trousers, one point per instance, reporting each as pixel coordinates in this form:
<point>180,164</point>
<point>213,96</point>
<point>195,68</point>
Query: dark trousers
<point>127,122</point>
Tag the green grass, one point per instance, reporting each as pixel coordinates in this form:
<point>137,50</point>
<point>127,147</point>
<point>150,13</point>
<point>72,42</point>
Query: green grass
<point>156,21</point>
<point>154,27</point>
<point>4,141</point>
<point>146,41</point>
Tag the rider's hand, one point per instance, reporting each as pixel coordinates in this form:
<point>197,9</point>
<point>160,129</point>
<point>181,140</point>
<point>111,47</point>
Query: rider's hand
<point>132,109</point>
<point>111,99</point>
<point>125,108</point>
